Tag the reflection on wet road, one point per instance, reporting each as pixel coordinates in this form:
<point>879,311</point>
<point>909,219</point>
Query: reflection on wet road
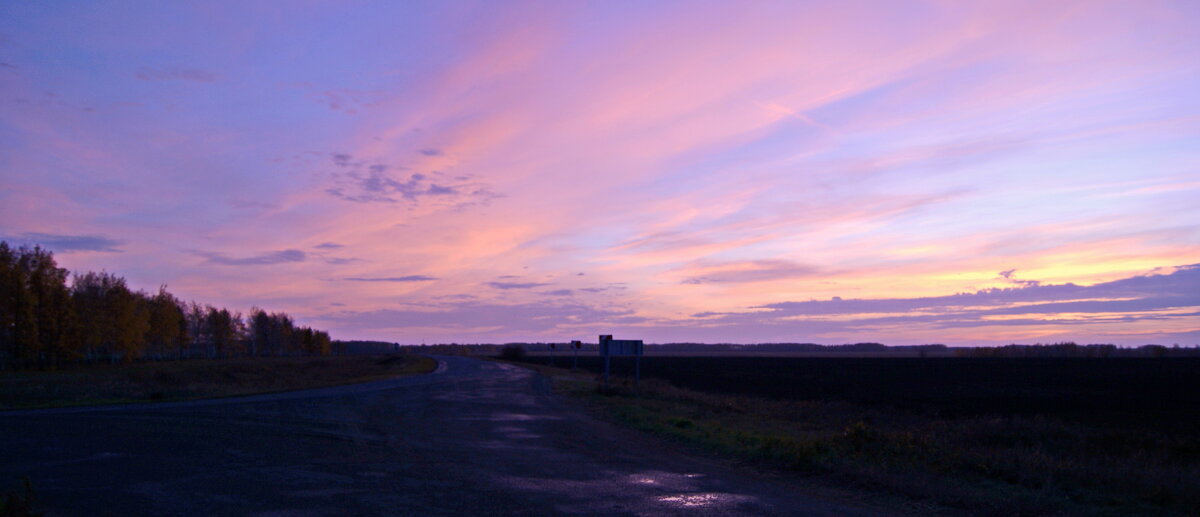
<point>476,438</point>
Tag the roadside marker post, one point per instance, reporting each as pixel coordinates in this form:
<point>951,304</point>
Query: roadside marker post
<point>551,354</point>
<point>576,345</point>
<point>621,347</point>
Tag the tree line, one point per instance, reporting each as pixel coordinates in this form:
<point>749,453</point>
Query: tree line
<point>50,317</point>
<point>1070,349</point>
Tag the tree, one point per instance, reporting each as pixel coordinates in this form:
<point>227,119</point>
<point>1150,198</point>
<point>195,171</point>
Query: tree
<point>167,326</point>
<point>47,284</point>
<point>18,329</point>
<point>194,315</point>
<point>322,343</point>
<point>44,322</point>
<point>35,311</point>
<point>113,321</point>
<point>260,331</point>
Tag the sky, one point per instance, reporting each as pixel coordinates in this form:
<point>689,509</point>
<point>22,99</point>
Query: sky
<point>903,172</point>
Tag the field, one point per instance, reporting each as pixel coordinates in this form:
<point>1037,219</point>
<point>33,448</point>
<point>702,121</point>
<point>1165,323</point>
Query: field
<point>990,436</point>
<point>191,379</point>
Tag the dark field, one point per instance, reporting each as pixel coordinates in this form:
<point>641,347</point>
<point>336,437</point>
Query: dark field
<point>191,379</point>
<point>1133,391</point>
<point>991,436</point>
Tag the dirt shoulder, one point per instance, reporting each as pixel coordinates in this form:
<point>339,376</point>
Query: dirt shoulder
<point>196,379</point>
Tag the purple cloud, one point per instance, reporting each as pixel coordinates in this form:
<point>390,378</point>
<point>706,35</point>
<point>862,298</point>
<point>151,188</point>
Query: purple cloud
<point>515,318</point>
<point>407,278</point>
<point>175,74</point>
<point>754,271</point>
<point>376,184</point>
<point>274,257</point>
<point>1146,297</point>
<point>66,243</point>
<point>515,285</point>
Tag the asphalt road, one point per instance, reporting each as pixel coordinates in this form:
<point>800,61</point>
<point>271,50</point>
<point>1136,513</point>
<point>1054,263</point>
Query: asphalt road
<point>474,438</point>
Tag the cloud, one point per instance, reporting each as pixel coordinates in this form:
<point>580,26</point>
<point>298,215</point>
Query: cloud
<point>751,271</point>
<point>429,151</point>
<point>347,101</point>
<point>376,183</point>
<point>1151,297</point>
<point>1010,275</point>
<point>342,160</point>
<point>338,261</point>
<point>484,318</point>
<point>66,243</point>
<point>559,292</point>
<point>515,285</point>
<point>175,74</point>
<point>407,278</point>
<point>274,257</point>
<point>329,246</point>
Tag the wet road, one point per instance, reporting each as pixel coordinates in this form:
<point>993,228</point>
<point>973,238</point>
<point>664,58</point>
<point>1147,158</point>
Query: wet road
<point>475,438</point>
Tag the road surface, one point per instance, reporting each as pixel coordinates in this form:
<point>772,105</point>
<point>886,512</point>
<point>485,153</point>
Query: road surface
<point>474,438</point>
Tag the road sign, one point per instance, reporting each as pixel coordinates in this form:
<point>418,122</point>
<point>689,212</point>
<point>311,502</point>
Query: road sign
<point>610,347</point>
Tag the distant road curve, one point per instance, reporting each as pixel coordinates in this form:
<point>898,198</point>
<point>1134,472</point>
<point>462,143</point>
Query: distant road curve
<point>472,438</point>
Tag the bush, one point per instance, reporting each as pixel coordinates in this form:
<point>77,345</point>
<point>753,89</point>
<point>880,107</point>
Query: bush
<point>19,503</point>
<point>512,352</point>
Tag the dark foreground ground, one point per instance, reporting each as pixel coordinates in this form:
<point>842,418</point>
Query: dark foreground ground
<point>1126,392</point>
<point>991,436</point>
<point>475,438</point>
<point>91,385</point>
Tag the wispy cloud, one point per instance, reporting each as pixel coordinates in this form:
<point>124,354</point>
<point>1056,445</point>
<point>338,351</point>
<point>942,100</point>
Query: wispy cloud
<point>66,243</point>
<point>750,271</point>
<point>360,182</point>
<point>406,278</point>
<point>515,285</point>
<point>350,102</point>
<point>176,74</point>
<point>265,259</point>
<point>1154,297</point>
<point>482,318</point>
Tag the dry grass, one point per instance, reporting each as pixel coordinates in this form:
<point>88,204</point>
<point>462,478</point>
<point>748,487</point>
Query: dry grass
<point>182,380</point>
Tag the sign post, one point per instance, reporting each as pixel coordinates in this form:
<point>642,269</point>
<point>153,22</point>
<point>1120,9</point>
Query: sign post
<point>576,345</point>
<point>604,341</point>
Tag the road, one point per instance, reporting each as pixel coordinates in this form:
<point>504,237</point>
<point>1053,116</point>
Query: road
<point>474,438</point>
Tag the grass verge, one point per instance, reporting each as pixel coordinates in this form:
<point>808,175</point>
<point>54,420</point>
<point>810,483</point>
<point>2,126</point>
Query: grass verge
<point>984,465</point>
<point>195,379</point>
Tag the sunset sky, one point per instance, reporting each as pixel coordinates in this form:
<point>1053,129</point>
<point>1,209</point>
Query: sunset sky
<point>901,172</point>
